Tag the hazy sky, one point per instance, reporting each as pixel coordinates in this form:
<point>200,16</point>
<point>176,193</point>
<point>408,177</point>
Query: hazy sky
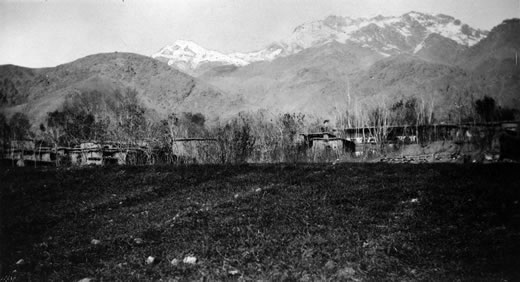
<point>38,33</point>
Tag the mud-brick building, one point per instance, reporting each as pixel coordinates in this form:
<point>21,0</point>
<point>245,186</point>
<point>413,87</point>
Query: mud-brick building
<point>86,157</point>
<point>94,153</point>
<point>87,153</point>
<point>30,152</point>
<point>115,156</point>
<point>327,141</point>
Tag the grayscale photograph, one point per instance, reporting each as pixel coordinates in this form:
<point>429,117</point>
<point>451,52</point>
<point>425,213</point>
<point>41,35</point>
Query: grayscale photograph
<point>259,140</point>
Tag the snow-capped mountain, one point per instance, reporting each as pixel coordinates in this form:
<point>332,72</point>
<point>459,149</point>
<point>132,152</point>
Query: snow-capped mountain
<point>385,35</point>
<point>188,56</point>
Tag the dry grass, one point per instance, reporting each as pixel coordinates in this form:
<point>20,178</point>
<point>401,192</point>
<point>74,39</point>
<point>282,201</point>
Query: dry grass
<point>346,222</point>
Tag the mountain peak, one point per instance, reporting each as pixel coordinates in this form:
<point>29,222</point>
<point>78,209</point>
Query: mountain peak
<point>183,46</point>
<point>417,14</point>
<point>187,44</point>
<point>385,35</point>
<point>443,16</point>
<point>336,22</point>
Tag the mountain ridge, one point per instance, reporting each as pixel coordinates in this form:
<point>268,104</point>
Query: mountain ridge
<point>325,80</point>
<point>386,35</point>
<point>315,79</point>
<point>160,88</point>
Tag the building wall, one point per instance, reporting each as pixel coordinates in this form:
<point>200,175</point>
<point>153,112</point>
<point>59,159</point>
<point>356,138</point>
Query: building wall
<point>76,158</point>
<point>121,158</point>
<point>94,158</point>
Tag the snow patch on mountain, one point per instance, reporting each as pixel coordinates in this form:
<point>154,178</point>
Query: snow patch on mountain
<point>188,56</point>
<point>188,53</point>
<point>418,47</point>
<point>386,35</point>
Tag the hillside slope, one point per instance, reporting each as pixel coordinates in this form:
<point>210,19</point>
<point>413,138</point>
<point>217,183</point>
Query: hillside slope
<point>326,79</point>
<point>329,80</point>
<point>439,49</point>
<point>14,84</point>
<point>496,59</point>
<point>498,49</point>
<point>313,81</point>
<point>160,88</point>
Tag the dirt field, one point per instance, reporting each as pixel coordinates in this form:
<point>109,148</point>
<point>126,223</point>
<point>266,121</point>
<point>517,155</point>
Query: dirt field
<point>350,222</point>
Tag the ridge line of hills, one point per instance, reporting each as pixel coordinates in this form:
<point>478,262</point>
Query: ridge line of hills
<point>385,35</point>
<point>327,79</point>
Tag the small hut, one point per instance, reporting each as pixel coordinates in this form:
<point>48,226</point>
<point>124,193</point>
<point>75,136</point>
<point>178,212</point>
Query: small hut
<point>328,141</point>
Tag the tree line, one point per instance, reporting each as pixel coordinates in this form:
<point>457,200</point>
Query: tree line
<point>258,137</point>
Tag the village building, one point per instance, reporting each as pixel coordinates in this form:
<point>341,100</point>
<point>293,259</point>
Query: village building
<point>327,142</point>
<point>501,139</point>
